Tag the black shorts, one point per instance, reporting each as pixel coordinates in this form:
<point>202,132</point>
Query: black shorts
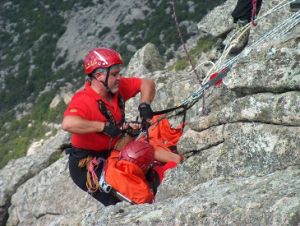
<point>243,10</point>
<point>78,174</point>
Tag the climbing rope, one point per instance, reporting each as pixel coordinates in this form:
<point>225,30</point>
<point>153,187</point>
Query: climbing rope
<point>243,30</point>
<point>223,68</point>
<point>220,63</point>
<point>182,41</point>
<point>276,32</point>
<point>187,54</point>
<point>279,30</point>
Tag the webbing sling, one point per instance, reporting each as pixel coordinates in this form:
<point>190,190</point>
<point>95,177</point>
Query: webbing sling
<point>108,115</point>
<point>110,118</point>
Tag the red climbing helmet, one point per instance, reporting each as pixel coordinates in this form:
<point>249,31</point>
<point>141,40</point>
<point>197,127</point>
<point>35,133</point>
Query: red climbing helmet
<point>140,153</point>
<point>101,58</point>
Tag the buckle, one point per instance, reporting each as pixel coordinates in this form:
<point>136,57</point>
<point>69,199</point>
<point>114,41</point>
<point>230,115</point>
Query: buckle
<point>103,185</point>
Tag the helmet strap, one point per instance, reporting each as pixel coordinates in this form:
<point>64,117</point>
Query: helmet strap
<point>105,83</point>
<point>106,79</point>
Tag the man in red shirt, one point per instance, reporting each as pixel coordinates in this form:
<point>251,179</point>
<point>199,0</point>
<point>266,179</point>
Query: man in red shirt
<point>95,116</point>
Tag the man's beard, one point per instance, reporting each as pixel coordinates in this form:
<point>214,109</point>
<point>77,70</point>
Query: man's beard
<point>114,89</point>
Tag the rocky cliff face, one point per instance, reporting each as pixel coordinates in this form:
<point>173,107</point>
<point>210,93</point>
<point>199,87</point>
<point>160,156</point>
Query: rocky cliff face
<point>242,162</point>
<point>101,31</point>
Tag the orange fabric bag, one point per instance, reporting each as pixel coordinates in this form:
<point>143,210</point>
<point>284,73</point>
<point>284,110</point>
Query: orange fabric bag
<point>128,179</point>
<point>162,135</point>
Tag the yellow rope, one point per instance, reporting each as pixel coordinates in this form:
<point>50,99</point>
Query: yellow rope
<point>92,180</point>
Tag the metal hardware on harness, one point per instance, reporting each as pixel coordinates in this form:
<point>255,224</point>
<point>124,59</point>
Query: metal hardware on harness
<point>103,185</point>
<point>122,197</point>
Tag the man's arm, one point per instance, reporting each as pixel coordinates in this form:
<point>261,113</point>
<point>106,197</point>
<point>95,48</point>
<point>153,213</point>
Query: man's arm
<point>76,124</point>
<point>147,91</point>
<point>147,96</point>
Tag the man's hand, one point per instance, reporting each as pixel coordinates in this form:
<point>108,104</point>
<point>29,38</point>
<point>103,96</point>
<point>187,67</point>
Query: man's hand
<point>132,129</point>
<point>146,112</point>
<point>111,130</point>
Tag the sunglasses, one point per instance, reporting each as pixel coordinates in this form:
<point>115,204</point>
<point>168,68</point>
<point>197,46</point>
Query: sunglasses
<point>113,70</point>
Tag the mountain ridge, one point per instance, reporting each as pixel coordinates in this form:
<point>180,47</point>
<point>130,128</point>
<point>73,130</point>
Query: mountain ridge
<point>42,46</point>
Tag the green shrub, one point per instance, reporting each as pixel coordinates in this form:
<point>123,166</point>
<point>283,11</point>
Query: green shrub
<point>19,135</point>
<point>41,22</point>
<point>203,45</point>
<point>159,22</point>
<point>45,26</point>
<point>16,138</point>
<point>181,65</point>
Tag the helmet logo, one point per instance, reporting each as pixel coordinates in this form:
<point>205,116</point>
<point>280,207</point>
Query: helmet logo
<point>101,58</point>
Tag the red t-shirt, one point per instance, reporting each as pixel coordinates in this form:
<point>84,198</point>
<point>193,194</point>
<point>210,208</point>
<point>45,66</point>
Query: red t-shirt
<point>85,104</point>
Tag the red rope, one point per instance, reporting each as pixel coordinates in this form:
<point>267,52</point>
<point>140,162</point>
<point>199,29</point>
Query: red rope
<point>92,178</point>
<point>187,54</point>
<point>253,14</point>
<point>182,41</point>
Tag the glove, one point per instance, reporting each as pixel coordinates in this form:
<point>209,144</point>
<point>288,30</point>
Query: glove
<point>111,130</point>
<point>132,132</point>
<point>145,111</point>
<point>145,125</point>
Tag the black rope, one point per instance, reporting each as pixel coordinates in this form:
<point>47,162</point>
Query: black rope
<point>189,105</point>
<point>106,79</point>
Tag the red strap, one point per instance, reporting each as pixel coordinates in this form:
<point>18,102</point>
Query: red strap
<point>162,169</point>
<point>219,82</point>
<point>253,15</point>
